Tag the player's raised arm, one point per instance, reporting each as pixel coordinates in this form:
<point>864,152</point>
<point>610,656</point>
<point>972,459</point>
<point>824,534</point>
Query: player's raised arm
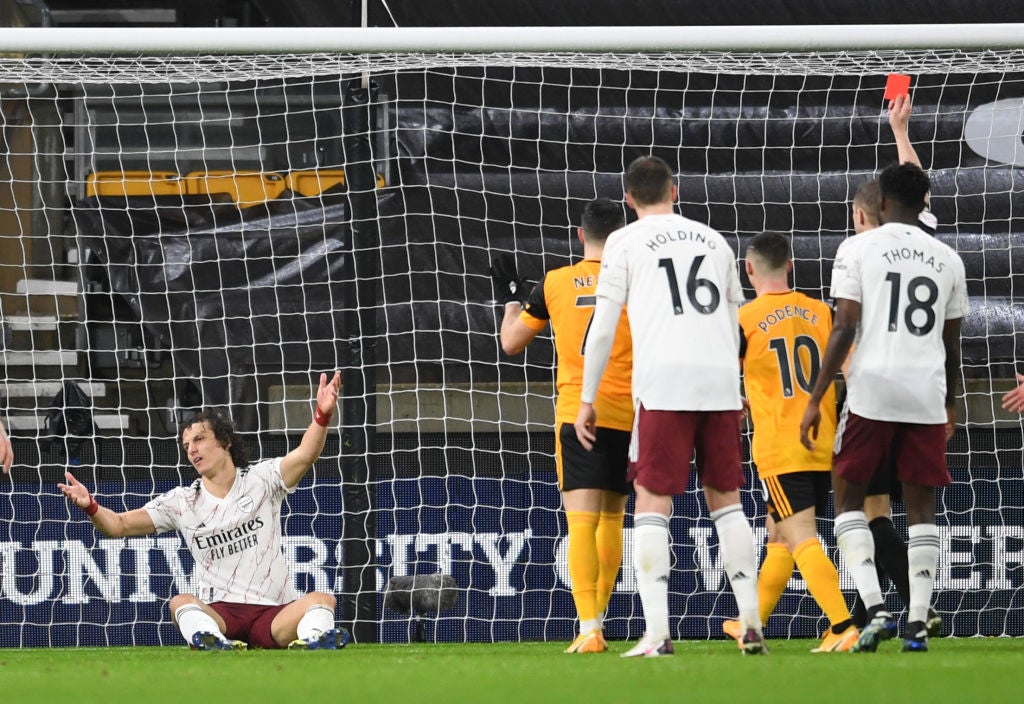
<point>513,292</point>
<point>296,463</point>
<point>110,523</point>
<point>6,451</point>
<point>515,335</point>
<point>900,109</point>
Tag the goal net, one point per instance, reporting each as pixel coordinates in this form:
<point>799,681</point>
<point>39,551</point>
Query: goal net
<point>188,230</point>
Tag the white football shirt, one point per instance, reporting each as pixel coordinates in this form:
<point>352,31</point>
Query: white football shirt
<point>908,284</point>
<point>235,541</point>
<point>679,282</point>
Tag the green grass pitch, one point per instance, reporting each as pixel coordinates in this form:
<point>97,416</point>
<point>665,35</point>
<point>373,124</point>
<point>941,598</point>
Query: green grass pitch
<point>956,670</point>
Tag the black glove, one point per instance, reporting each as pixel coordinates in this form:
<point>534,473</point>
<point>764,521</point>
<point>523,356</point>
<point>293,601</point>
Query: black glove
<point>507,285</point>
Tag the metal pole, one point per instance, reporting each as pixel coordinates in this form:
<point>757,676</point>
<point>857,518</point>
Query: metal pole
<point>361,300</point>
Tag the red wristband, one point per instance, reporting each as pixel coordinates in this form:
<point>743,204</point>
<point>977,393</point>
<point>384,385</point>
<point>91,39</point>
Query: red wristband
<point>321,418</point>
<point>92,508</point>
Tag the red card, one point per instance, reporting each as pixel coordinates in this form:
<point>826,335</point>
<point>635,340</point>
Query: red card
<point>897,85</point>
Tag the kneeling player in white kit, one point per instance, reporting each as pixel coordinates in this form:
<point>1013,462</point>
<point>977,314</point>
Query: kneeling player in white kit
<point>231,520</point>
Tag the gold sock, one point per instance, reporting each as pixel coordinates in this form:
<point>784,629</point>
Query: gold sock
<point>775,572</point>
<point>822,580</point>
<point>583,563</point>
<point>609,556</point>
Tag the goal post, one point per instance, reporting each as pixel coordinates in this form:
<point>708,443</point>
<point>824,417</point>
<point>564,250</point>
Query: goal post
<point>215,217</point>
<point>601,39</point>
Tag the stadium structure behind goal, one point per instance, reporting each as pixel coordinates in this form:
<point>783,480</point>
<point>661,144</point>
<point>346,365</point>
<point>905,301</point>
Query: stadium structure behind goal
<point>213,219</point>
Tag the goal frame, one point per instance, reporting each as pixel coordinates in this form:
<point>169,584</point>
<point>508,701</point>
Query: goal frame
<point>68,42</point>
<point>268,40</point>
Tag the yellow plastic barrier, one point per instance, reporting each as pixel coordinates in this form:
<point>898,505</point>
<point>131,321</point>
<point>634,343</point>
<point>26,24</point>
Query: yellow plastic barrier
<point>244,188</point>
<point>134,183</point>
<point>314,182</point>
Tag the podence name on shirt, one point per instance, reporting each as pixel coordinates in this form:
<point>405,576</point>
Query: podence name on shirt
<point>776,316</point>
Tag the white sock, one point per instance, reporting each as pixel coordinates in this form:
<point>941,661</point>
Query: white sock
<point>652,562</point>
<point>191,619</point>
<point>857,547</point>
<point>590,624</point>
<point>317,620</point>
<point>922,556</point>
<point>736,543</point>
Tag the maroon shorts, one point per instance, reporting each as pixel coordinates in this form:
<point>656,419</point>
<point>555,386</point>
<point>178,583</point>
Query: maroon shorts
<point>248,622</point>
<point>863,446</point>
<point>665,441</point>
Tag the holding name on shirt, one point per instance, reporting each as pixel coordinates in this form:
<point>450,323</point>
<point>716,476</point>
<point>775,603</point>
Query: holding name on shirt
<point>663,238</point>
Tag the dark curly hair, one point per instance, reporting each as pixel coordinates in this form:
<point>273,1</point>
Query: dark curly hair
<point>906,184</point>
<point>224,430</point>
